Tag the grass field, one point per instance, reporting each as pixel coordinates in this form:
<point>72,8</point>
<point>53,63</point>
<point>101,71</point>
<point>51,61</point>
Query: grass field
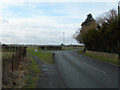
<point>46,57</point>
<point>32,48</point>
<point>114,61</point>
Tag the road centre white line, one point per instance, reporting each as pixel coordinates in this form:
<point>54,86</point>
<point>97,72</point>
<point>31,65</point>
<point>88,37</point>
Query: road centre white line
<point>96,68</point>
<point>76,60</point>
<point>87,64</point>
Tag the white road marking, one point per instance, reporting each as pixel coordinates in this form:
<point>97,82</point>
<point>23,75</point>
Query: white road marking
<point>87,64</point>
<point>96,68</point>
<point>72,57</point>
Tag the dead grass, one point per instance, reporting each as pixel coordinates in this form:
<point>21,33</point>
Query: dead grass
<point>12,79</point>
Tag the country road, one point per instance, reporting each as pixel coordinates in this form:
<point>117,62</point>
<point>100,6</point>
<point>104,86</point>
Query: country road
<point>79,71</point>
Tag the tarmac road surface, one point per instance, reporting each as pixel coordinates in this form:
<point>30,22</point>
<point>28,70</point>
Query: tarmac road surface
<point>79,71</point>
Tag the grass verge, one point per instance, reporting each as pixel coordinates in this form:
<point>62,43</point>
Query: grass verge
<point>114,61</point>
<point>31,48</point>
<point>32,74</point>
<point>46,57</point>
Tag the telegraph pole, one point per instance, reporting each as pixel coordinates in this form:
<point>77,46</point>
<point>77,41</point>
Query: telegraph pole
<point>63,38</point>
<point>0,66</point>
<point>119,8</point>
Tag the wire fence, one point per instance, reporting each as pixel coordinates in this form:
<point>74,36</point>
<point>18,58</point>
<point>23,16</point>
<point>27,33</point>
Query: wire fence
<point>11,57</point>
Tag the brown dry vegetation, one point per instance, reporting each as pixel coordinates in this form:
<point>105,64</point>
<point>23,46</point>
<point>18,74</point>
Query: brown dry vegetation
<point>14,63</point>
<point>15,79</point>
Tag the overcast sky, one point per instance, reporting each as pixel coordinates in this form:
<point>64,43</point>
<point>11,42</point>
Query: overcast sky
<point>43,22</point>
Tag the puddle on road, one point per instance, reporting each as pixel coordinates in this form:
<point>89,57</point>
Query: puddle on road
<point>44,65</point>
<point>45,69</point>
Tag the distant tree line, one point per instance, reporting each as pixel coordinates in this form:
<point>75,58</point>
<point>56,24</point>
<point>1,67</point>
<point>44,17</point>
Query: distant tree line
<point>50,47</point>
<point>102,34</point>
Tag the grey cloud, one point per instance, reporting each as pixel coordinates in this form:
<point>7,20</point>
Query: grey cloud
<point>3,21</point>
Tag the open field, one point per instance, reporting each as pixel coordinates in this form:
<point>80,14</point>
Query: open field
<point>46,57</point>
<point>114,61</point>
<point>32,48</point>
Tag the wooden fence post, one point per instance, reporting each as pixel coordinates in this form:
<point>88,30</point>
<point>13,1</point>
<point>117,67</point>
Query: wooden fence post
<point>4,62</point>
<point>13,56</point>
<point>24,51</point>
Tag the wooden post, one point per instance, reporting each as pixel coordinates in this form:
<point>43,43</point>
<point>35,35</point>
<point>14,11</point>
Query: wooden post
<point>4,62</point>
<point>13,56</point>
<point>25,51</point>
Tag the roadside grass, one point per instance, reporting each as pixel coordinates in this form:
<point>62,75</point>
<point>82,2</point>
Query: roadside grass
<point>31,48</point>
<point>80,51</point>
<point>32,74</point>
<point>114,61</point>
<point>46,57</point>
